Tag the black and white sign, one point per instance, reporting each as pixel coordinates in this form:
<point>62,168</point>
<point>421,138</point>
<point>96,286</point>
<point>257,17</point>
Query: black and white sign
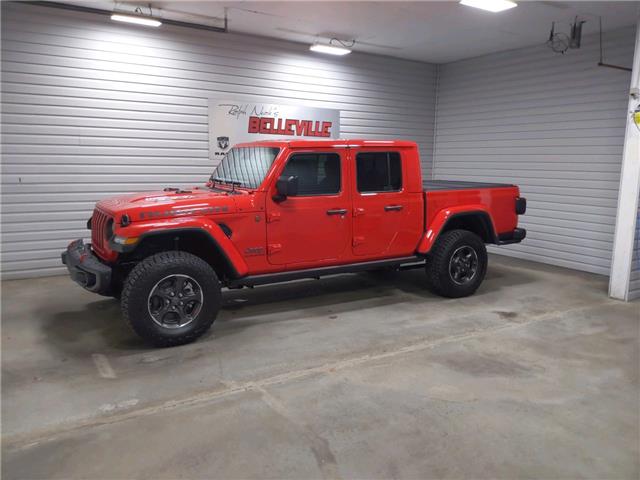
<point>236,121</point>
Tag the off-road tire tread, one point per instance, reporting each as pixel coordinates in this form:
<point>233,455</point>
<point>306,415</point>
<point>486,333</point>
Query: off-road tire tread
<point>150,265</point>
<point>437,264</point>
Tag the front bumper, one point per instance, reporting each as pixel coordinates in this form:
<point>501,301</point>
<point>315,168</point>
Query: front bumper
<point>85,268</point>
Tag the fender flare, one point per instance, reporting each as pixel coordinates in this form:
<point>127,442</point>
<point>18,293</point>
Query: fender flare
<point>219,241</point>
<point>444,216</point>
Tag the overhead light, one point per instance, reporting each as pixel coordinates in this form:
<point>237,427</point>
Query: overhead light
<point>137,19</point>
<point>330,49</point>
<point>490,5</point>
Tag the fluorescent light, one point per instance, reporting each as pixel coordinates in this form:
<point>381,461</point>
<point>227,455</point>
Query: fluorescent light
<point>330,49</point>
<point>140,20</point>
<point>490,5</point>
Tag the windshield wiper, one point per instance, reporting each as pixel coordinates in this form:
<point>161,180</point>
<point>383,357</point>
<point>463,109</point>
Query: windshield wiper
<point>227,181</point>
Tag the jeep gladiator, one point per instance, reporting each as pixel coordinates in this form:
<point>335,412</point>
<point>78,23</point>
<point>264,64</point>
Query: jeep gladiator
<point>277,211</point>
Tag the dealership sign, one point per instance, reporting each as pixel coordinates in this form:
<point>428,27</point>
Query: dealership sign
<point>237,121</point>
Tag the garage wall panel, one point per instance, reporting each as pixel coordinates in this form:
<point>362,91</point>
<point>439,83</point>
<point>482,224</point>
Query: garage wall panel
<point>552,124</point>
<point>91,108</point>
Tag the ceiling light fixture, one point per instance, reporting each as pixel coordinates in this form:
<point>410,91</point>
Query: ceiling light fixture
<point>490,5</point>
<point>342,47</point>
<point>137,19</point>
<point>330,49</point>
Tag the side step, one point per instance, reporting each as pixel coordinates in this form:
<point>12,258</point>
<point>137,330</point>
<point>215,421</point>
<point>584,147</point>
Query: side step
<point>253,280</point>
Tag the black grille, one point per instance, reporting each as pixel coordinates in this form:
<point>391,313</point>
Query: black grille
<point>99,223</point>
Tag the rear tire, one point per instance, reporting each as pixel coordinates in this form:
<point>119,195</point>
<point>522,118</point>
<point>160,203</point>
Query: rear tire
<point>171,298</point>
<point>457,264</point>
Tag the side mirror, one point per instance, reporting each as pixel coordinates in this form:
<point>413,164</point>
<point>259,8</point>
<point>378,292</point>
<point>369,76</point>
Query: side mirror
<point>286,187</point>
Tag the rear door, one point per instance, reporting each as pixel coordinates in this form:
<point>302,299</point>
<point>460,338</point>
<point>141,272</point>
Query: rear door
<point>385,216</point>
<point>314,226</point>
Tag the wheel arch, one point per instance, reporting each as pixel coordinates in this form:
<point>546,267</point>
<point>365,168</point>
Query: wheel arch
<point>477,220</point>
<point>220,254</point>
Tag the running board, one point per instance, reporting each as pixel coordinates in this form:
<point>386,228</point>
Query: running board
<point>253,280</point>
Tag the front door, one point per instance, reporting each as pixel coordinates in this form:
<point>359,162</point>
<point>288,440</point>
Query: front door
<point>314,226</point>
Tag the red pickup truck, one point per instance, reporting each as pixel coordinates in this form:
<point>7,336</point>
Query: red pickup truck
<point>276,211</point>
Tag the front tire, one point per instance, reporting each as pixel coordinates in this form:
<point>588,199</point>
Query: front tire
<point>457,264</point>
<point>171,298</point>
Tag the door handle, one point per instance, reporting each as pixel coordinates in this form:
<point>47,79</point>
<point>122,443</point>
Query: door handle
<point>391,208</point>
<point>337,211</point>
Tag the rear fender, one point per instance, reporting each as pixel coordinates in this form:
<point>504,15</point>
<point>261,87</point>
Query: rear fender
<point>439,224</point>
<point>215,234</point>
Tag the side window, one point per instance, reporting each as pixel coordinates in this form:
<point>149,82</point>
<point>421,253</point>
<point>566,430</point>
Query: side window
<point>318,173</point>
<point>379,172</point>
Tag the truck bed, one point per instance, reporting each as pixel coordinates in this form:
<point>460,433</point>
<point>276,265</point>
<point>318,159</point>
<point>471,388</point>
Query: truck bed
<point>435,185</point>
<point>498,200</point>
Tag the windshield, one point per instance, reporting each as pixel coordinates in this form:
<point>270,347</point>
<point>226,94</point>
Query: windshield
<point>245,166</point>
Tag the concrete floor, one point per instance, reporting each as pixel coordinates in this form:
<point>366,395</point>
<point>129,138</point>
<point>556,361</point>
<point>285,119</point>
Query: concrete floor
<point>536,376</point>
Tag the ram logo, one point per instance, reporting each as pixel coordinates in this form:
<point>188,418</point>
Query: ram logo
<point>223,143</point>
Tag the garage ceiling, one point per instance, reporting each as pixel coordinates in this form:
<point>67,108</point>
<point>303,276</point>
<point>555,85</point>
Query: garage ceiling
<point>437,32</point>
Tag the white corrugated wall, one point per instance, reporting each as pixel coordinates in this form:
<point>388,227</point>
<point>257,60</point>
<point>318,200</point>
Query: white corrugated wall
<point>91,108</point>
<point>553,124</point>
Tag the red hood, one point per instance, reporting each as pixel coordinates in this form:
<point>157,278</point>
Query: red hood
<point>153,205</point>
